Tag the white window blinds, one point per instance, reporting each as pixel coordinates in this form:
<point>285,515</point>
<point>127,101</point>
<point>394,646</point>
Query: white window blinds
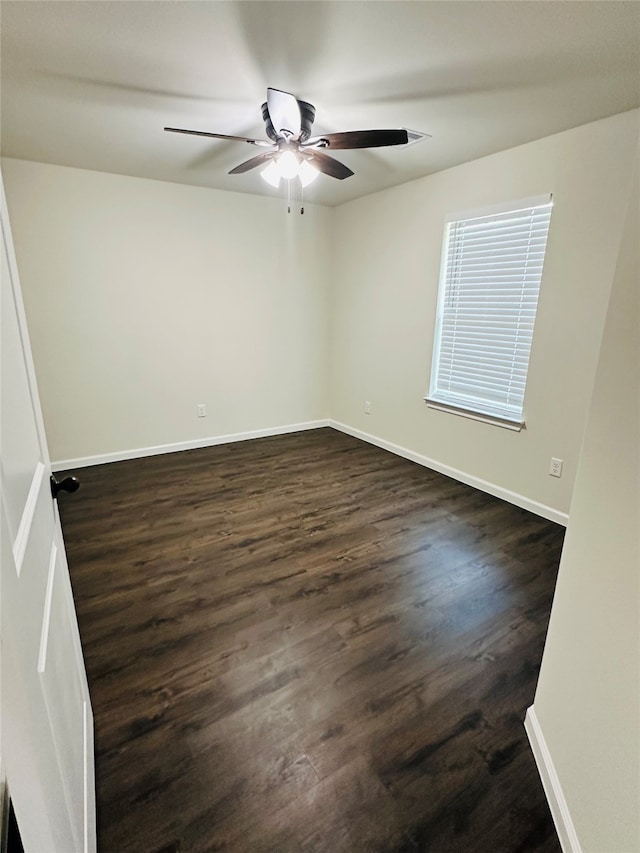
<point>490,278</point>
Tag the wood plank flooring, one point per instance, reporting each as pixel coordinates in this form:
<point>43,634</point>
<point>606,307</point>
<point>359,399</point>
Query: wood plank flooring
<point>305,643</point>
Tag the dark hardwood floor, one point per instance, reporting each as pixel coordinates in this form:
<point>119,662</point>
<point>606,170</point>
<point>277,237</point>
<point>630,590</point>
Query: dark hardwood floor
<point>305,643</point>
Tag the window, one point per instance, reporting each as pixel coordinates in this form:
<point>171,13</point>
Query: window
<point>490,278</point>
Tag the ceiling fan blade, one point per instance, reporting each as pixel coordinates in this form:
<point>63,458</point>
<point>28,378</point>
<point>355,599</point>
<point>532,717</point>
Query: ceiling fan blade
<point>360,139</point>
<point>284,113</point>
<point>258,160</point>
<point>219,136</point>
<point>330,166</point>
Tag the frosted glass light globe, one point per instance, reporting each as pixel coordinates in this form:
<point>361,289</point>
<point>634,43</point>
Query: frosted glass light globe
<point>288,165</point>
<point>272,174</point>
<point>307,173</point>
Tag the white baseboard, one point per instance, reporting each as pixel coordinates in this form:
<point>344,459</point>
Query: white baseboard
<point>137,453</point>
<point>551,784</point>
<point>477,483</point>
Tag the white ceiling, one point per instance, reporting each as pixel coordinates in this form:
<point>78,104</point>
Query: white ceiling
<point>92,84</point>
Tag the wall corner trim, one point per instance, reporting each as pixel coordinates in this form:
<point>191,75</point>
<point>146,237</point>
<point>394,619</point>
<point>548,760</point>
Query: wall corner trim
<point>551,784</point>
<point>543,510</point>
<point>195,444</point>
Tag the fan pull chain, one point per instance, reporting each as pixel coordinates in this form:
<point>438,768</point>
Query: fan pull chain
<point>289,197</point>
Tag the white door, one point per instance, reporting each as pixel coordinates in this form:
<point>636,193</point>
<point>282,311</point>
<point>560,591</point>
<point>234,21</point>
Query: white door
<point>46,722</point>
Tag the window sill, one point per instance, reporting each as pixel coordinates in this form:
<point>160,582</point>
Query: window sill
<point>494,420</point>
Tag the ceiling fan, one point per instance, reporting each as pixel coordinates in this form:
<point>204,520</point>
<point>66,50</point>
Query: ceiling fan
<point>293,152</point>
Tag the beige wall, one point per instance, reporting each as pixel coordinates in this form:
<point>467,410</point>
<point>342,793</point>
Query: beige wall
<point>588,697</point>
<point>386,262</point>
<point>145,298</point>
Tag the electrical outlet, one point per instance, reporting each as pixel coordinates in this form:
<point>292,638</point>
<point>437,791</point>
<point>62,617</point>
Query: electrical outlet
<point>202,410</point>
<point>367,407</point>
<point>555,468</point>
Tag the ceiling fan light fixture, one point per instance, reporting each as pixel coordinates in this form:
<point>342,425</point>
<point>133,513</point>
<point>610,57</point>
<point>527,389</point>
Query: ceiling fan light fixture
<point>272,174</point>
<point>288,166</point>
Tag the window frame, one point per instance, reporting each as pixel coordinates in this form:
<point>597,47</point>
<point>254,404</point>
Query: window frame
<point>462,407</point>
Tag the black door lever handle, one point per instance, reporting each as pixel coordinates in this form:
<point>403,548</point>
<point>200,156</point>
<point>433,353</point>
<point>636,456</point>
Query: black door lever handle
<point>69,484</point>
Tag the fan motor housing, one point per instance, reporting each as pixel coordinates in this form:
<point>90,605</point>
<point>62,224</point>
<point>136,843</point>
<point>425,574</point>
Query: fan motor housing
<point>307,117</point>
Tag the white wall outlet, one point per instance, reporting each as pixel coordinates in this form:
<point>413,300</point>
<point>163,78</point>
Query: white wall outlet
<point>555,468</point>
<point>202,410</point>
<point>367,407</point>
